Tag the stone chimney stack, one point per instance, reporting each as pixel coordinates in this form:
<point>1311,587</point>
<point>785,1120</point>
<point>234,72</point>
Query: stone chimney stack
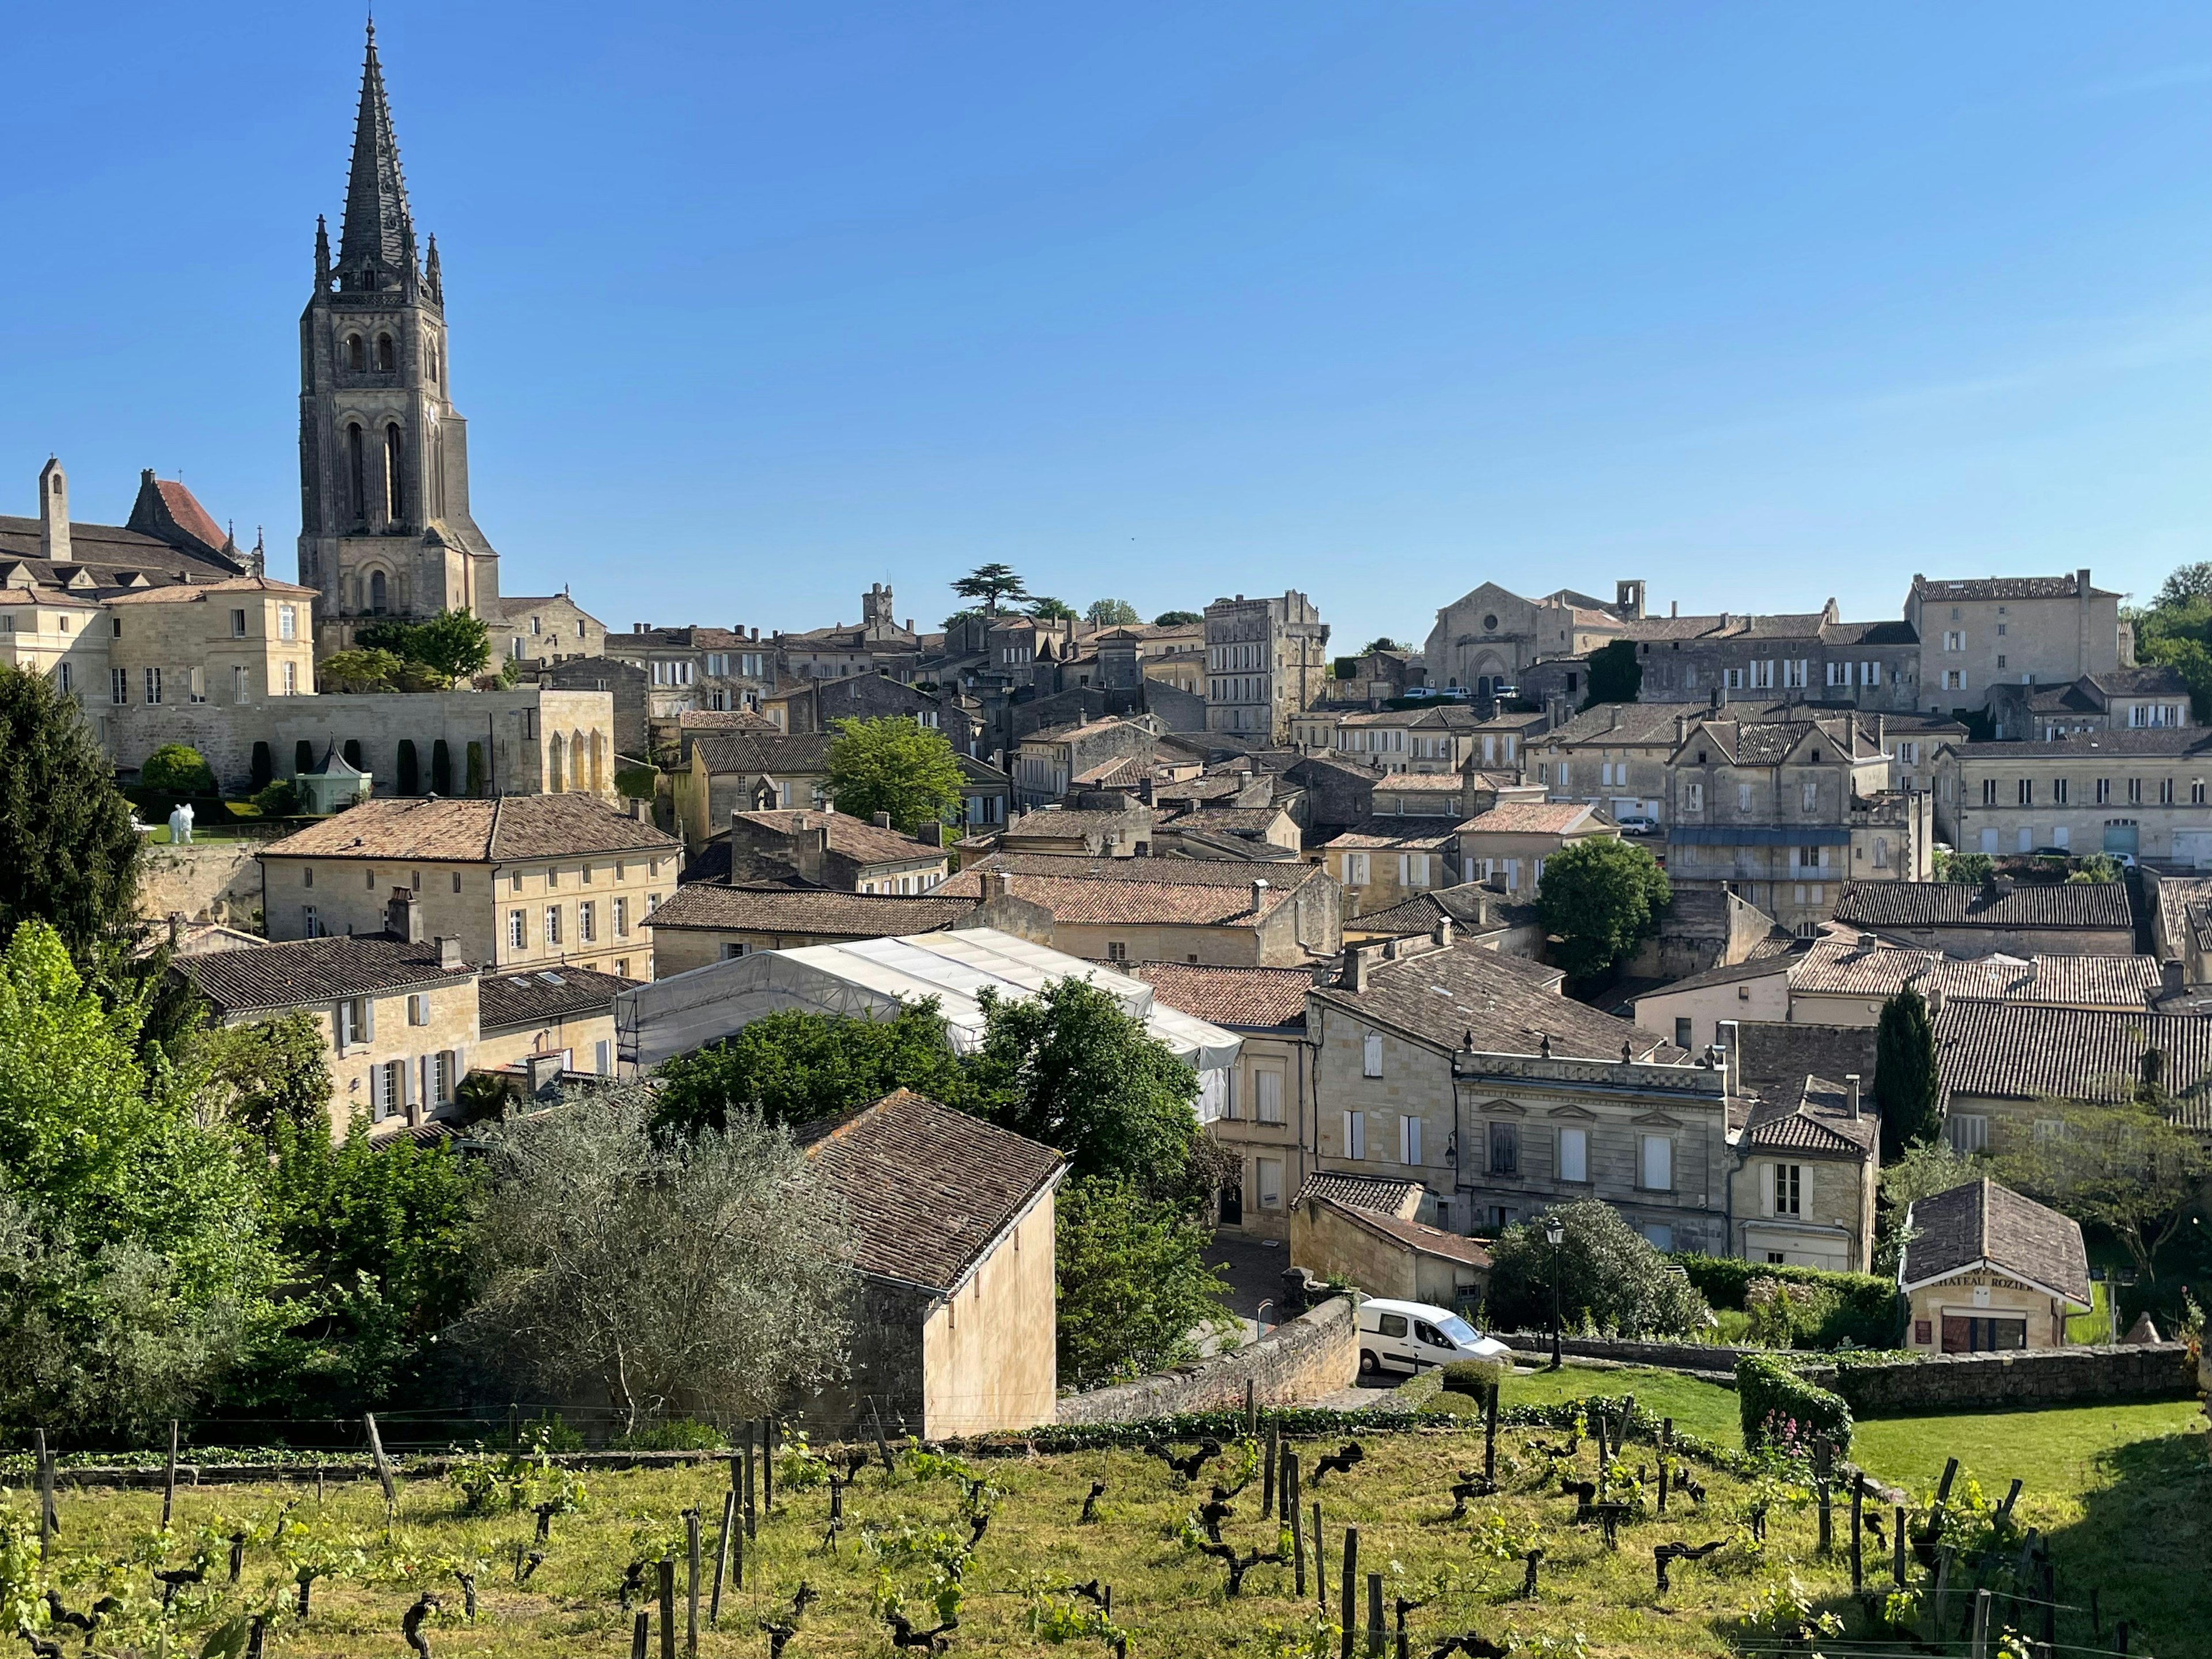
<point>449,952</point>
<point>403,915</point>
<point>53,514</point>
<point>1852,1082</point>
<point>1441,934</point>
<point>883,820</point>
<point>1259,895</point>
<point>1354,977</point>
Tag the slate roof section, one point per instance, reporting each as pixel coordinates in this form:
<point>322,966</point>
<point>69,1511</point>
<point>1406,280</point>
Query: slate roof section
<point>2002,588</point>
<point>1415,1234</point>
<point>2122,744</point>
<point>926,1188</point>
<point>2099,906</point>
<point>2022,1051</point>
<point>1536,817</point>
<point>861,839</point>
<point>1776,1055</point>
<point>1511,1006</point>
<point>1982,1222</point>
<point>1375,1194</point>
<point>779,754</point>
<point>199,592</point>
<point>1467,904</point>
<point>1246,999</point>
<point>544,996</point>
<point>310,970</point>
<point>1816,1122</point>
<point>816,912</point>
<point>508,827</point>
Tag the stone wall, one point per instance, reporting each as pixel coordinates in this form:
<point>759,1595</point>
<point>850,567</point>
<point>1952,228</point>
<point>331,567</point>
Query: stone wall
<point>2052,1377</point>
<point>1295,1363</point>
<point>207,881</point>
<point>1665,1356</point>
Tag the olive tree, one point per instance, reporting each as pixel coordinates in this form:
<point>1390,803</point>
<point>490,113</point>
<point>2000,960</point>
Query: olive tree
<point>1609,1277</point>
<point>705,1275</point>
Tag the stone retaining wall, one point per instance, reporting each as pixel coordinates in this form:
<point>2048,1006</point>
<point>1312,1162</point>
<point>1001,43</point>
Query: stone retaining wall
<point>1667,1356</point>
<point>1296,1362</point>
<point>2044,1377</point>
<point>207,881</point>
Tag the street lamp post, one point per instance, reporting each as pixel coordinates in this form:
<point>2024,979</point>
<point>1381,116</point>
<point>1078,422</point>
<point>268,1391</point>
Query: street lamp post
<point>1555,1235</point>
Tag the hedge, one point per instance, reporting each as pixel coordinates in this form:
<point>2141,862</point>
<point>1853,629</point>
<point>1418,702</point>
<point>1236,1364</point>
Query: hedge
<point>1868,1314</point>
<point>1476,1376</point>
<point>1767,1389</point>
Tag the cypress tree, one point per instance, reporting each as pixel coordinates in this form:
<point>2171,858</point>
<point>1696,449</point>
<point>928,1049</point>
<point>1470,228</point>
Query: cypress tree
<point>1906,1086</point>
<point>68,854</point>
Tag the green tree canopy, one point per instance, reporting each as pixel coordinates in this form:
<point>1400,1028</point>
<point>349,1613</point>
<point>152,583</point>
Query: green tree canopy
<point>1132,1283</point>
<point>2128,1168</point>
<point>993,584</point>
<point>2176,633</point>
<point>1178,619</point>
<point>1609,1277</point>
<point>178,769</point>
<point>1048,609</point>
<point>365,669</point>
<point>1600,898</point>
<point>266,1072</point>
<point>1069,1069</point>
<point>894,764</point>
<point>794,1067</point>
<point>1925,1169</point>
<point>1906,1088</point>
<point>452,644</point>
<point>1382,642</point>
<point>1111,613</point>
<point>2189,582</point>
<point>1616,674</point>
<point>68,854</point>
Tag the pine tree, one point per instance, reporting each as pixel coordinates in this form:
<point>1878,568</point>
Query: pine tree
<point>1906,1086</point>
<point>68,854</point>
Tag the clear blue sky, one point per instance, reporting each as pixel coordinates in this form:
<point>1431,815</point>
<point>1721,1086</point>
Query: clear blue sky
<point>754,306</point>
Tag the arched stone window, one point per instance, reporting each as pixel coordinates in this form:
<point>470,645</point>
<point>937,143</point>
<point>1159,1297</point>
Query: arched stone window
<point>386,359</point>
<point>356,353</point>
<point>357,473</point>
<point>55,486</point>
<point>380,593</point>
<point>395,469</point>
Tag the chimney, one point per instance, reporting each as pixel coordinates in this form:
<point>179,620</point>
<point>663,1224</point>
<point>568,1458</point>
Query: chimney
<point>449,951</point>
<point>637,627</point>
<point>403,915</point>
<point>1259,895</point>
<point>932,834</point>
<point>177,929</point>
<point>995,885</point>
<point>2172,977</point>
<point>883,820</point>
<point>1730,1034</point>
<point>1851,1082</point>
<point>1354,978</point>
<point>1441,934</point>
<point>1673,607</point>
<point>1720,697</point>
<point>54,513</point>
<point>544,1072</point>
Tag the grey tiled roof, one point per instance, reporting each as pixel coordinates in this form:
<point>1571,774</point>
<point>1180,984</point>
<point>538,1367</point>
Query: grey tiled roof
<point>2099,905</point>
<point>2026,1051</point>
<point>1510,1005</point>
<point>1383,1196</point>
<point>310,970</point>
<point>544,996</point>
<point>1817,1120</point>
<point>818,911</point>
<point>1983,1221</point>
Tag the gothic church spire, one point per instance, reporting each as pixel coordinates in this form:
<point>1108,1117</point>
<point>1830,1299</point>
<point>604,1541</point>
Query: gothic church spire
<point>378,235</point>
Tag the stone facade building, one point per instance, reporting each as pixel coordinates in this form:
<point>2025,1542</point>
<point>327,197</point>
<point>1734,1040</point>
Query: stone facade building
<point>2139,794</point>
<point>2119,699</point>
<point>1266,659</point>
<point>1802,1190</point>
<point>1489,639</point>
<point>1986,1270</point>
<point>541,880</point>
<point>1979,633</point>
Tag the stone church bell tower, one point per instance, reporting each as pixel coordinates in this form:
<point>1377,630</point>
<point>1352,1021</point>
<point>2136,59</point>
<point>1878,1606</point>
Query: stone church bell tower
<point>384,528</point>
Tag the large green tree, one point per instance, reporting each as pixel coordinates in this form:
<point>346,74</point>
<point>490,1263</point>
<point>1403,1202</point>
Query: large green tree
<point>1111,613</point>
<point>1616,674</point>
<point>1133,1282</point>
<point>1178,619</point>
<point>1608,1276</point>
<point>268,1071</point>
<point>1600,897</point>
<point>894,764</point>
<point>1068,1068</point>
<point>68,854</point>
<point>1048,609</point>
<point>1906,1088</point>
<point>454,644</point>
<point>794,1067</point>
<point>993,584</point>
<point>2128,1168</point>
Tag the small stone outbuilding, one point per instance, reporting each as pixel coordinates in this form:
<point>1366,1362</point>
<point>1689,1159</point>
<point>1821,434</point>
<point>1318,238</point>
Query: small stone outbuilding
<point>1363,1231</point>
<point>1988,1271</point>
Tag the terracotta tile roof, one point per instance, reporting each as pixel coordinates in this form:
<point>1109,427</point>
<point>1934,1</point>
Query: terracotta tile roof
<point>475,831</point>
<point>1844,967</point>
<point>191,517</point>
<point>1510,1005</point>
<point>1060,823</point>
<point>1230,820</point>
<point>2129,982</point>
<point>725,720</point>
<point>1818,1120</point>
<point>2099,906</point>
<point>1357,1192</point>
<point>687,638</point>
<point>1189,892</point>
<point>1982,1222</point>
<point>1466,905</point>
<point>1535,817</point>
<point>198,593</point>
<point>2023,1051</point>
<point>1445,783</point>
<point>48,596</point>
<point>1121,770</point>
<point>814,911</point>
<point>858,839</point>
<point>1416,1235</point>
<point>307,970</point>
<point>1261,998</point>
<point>1393,834</point>
<point>2002,588</point>
<point>2125,743</point>
<point>544,996</point>
<point>926,1188</point>
<point>1754,967</point>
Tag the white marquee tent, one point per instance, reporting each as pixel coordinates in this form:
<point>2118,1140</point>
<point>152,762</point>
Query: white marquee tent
<point>871,977</point>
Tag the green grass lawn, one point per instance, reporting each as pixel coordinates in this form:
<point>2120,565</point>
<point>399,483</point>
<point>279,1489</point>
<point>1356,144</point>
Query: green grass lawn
<point>2061,1450</point>
<point>1701,1408</point>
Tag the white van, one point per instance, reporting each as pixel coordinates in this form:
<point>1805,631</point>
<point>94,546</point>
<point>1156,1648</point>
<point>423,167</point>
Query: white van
<point>1403,1336</point>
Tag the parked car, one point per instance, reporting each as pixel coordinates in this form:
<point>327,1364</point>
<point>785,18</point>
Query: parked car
<point>1456,693</point>
<point>1637,824</point>
<point>1419,693</point>
<point>1403,1336</point>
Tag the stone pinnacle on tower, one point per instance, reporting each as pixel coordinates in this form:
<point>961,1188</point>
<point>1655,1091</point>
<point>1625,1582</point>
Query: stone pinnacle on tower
<point>378,232</point>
